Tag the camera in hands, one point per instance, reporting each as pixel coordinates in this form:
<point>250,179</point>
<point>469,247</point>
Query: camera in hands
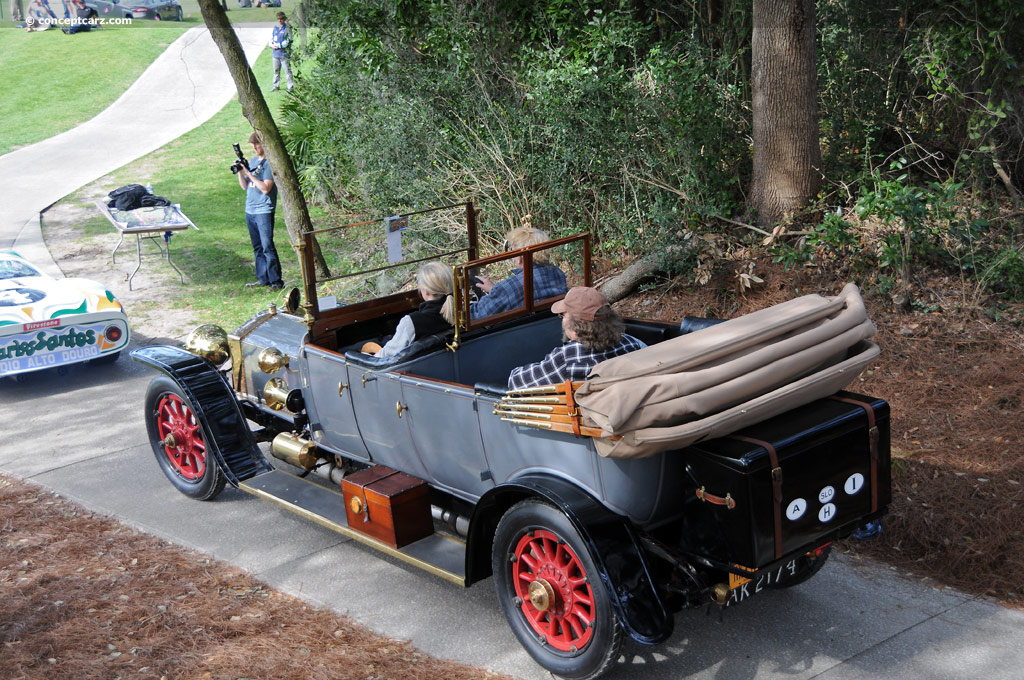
<point>241,162</point>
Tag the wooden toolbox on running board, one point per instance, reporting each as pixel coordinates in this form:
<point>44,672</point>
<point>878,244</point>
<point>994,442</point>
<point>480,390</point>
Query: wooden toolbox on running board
<point>388,505</point>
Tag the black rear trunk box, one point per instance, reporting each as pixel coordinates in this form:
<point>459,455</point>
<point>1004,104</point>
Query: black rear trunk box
<point>830,484</point>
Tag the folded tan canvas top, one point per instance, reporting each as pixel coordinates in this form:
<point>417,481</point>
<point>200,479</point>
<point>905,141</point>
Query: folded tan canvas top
<point>726,377</point>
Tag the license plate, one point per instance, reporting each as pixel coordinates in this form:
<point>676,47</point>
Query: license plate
<point>741,588</point>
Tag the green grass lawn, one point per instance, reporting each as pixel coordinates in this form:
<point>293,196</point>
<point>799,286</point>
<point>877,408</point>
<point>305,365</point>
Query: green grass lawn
<point>52,81</point>
<point>194,171</point>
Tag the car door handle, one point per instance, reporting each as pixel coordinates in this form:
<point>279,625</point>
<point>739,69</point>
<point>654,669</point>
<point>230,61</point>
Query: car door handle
<point>400,407</point>
<point>341,388</point>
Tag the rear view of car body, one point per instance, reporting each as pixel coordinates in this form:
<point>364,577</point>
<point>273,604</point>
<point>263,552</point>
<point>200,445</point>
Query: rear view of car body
<point>166,10</point>
<point>51,323</point>
<point>160,10</point>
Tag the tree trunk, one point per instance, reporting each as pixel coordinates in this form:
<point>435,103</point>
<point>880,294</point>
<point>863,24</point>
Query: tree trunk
<point>628,281</point>
<point>255,109</point>
<point>784,90</point>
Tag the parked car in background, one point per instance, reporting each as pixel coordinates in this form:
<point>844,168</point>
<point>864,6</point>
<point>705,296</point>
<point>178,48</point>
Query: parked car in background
<point>51,323</point>
<point>159,10</point>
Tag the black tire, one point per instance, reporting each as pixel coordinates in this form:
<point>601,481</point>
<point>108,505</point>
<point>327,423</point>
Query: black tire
<point>105,360</point>
<point>806,567</point>
<point>564,573</point>
<point>185,459</point>
<point>179,16</point>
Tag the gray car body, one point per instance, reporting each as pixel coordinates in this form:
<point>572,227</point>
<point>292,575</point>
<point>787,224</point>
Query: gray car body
<point>430,416</point>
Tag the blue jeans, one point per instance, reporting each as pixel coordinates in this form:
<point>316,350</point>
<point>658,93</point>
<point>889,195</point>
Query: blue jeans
<point>261,235</point>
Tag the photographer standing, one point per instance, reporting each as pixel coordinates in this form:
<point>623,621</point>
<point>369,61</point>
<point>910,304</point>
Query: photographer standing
<point>279,41</point>
<point>257,180</point>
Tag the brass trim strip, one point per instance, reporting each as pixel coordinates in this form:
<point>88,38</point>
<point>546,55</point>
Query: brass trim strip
<point>351,533</point>
<point>526,407</point>
<point>521,414</point>
<point>533,400</point>
<point>528,423</point>
<point>540,389</point>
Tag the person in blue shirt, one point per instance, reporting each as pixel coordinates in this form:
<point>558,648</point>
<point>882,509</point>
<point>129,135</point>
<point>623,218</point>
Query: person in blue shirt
<point>280,39</point>
<point>548,280</point>
<point>257,180</point>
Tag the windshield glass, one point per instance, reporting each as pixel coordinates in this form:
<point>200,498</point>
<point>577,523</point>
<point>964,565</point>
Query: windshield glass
<point>11,269</point>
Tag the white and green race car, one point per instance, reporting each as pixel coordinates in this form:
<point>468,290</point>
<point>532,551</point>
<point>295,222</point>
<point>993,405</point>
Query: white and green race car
<point>51,323</point>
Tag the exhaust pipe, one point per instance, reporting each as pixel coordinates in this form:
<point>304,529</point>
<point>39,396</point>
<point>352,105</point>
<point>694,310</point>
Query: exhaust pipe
<point>457,523</point>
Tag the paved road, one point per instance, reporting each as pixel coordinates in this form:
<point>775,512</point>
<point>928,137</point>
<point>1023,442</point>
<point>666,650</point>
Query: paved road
<point>83,435</point>
<point>179,91</point>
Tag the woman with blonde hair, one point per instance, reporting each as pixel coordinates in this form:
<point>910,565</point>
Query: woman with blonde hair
<point>435,315</point>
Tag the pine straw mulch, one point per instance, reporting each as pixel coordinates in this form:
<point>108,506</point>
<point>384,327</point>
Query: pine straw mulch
<point>85,597</point>
<point>955,384</point>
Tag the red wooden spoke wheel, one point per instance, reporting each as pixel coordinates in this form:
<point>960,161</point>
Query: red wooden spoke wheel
<point>548,586</point>
<point>182,437</point>
<point>557,598</point>
<point>181,446</point>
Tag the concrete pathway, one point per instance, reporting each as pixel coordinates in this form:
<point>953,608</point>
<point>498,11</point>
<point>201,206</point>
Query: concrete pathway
<point>179,91</point>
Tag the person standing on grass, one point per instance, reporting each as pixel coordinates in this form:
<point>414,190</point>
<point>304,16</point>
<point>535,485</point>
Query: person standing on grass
<point>280,39</point>
<point>257,180</point>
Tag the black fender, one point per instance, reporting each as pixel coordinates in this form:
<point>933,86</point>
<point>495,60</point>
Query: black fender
<point>232,443</point>
<point>610,538</point>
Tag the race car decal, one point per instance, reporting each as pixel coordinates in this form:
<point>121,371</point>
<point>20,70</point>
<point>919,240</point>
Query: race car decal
<point>56,346</point>
<point>20,296</point>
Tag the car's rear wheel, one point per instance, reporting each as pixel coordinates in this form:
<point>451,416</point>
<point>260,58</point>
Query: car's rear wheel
<point>551,594</point>
<point>180,442</point>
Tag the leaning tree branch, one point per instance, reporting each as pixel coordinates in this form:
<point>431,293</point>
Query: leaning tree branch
<point>255,109</point>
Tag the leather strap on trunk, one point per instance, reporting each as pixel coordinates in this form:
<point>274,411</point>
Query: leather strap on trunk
<point>362,492</point>
<point>873,436</point>
<point>776,486</point>
<point>728,501</point>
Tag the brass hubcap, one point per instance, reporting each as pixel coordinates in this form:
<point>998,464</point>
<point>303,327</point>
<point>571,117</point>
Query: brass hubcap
<point>542,595</point>
<point>170,442</point>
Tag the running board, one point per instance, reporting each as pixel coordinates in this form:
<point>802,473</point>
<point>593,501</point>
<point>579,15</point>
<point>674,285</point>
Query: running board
<point>438,554</point>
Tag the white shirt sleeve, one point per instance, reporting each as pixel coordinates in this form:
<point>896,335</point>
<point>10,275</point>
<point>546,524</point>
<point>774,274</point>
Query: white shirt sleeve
<point>404,335</point>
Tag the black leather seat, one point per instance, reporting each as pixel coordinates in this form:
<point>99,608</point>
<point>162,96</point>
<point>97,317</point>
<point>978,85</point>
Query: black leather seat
<point>422,346</point>
<point>690,324</point>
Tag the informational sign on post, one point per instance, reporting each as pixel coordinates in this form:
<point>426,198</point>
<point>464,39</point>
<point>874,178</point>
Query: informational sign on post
<point>394,226</point>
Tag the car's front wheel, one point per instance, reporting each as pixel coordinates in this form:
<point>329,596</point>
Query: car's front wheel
<point>180,442</point>
<point>551,594</point>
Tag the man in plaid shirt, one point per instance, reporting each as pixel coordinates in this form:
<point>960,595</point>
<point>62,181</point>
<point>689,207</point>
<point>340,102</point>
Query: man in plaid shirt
<point>548,280</point>
<point>593,333</point>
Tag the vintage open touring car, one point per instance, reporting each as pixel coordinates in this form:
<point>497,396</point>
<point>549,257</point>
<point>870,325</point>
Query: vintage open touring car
<point>52,323</point>
<point>722,459</point>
